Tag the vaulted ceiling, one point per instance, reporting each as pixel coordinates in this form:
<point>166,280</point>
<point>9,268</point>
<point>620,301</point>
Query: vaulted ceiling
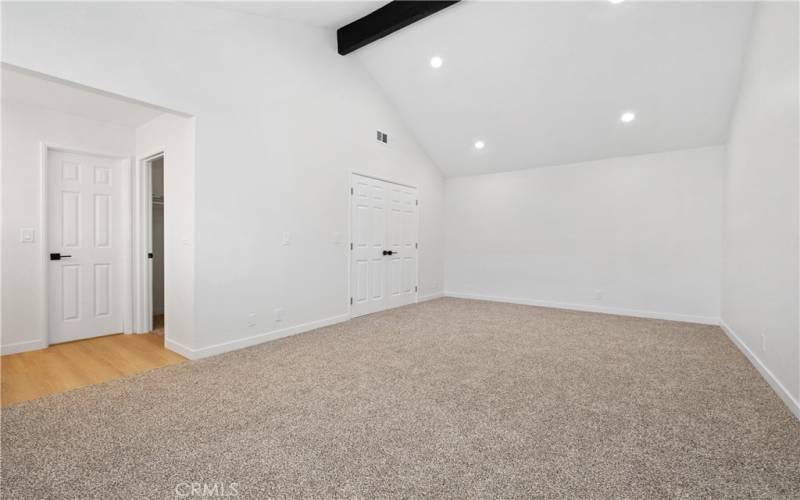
<point>323,14</point>
<point>545,83</point>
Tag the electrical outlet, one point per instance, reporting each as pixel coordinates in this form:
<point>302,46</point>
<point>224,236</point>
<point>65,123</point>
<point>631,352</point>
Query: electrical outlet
<point>278,314</point>
<point>763,342</point>
<point>287,238</point>
<point>251,319</point>
<point>598,295</point>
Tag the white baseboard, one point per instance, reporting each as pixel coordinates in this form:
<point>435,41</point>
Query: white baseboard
<point>431,296</point>
<point>780,390</point>
<point>181,349</point>
<point>234,345</point>
<point>686,318</point>
<point>16,347</point>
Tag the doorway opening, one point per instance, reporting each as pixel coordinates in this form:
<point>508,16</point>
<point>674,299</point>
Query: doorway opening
<point>85,211</point>
<point>156,253</point>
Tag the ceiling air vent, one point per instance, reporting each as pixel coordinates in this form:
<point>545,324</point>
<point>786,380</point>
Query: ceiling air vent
<point>382,137</point>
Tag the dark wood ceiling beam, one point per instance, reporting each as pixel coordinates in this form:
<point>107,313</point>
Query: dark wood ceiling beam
<point>391,17</point>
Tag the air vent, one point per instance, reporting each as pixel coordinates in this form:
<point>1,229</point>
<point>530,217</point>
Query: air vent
<point>382,137</point>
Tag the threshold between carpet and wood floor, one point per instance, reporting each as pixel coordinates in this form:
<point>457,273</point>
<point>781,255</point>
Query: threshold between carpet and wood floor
<point>449,398</point>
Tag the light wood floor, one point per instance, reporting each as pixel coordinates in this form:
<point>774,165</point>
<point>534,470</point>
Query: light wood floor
<point>61,367</point>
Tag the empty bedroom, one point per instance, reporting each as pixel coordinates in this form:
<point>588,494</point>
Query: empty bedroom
<point>400,249</point>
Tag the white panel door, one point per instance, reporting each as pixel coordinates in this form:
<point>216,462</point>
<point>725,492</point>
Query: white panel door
<point>84,239</point>
<point>402,242</point>
<point>368,266</point>
<point>383,262</point>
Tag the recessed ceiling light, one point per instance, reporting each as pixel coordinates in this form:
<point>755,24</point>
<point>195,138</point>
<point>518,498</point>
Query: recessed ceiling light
<point>436,62</point>
<point>616,1</point>
<point>627,117</point>
<point>479,144</point>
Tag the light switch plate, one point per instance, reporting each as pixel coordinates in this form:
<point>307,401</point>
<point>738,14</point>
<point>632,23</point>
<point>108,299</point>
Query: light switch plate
<point>27,235</point>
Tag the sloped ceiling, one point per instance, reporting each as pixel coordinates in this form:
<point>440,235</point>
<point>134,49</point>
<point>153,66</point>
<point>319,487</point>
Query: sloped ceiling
<point>545,83</point>
<point>323,14</point>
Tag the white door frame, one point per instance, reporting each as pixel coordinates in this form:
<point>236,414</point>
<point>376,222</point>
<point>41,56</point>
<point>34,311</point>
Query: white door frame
<point>125,288</point>
<point>349,199</point>
<point>143,244</point>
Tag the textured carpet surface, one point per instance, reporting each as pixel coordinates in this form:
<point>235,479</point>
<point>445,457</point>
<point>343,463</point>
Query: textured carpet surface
<point>449,398</point>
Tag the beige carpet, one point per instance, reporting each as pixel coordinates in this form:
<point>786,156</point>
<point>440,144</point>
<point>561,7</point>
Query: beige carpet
<point>450,398</point>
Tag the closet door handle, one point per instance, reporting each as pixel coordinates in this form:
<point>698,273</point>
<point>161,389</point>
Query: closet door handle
<point>388,252</point>
<point>58,256</point>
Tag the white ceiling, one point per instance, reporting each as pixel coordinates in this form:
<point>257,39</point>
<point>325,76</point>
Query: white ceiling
<point>541,83</point>
<point>545,83</point>
<point>325,14</point>
<point>26,88</point>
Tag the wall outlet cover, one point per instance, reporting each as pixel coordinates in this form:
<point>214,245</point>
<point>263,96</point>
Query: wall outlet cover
<point>27,235</point>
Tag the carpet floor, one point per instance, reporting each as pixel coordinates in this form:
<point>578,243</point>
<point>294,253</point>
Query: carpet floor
<point>446,399</point>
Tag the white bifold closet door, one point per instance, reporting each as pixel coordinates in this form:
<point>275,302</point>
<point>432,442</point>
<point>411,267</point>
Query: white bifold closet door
<point>383,264</point>
<point>84,237</point>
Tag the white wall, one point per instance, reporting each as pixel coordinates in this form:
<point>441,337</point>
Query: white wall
<point>25,127</point>
<point>760,278</point>
<point>635,235</point>
<point>175,137</point>
<point>281,119</point>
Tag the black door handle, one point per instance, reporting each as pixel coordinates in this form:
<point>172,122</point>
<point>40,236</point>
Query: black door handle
<point>58,256</point>
<point>388,252</point>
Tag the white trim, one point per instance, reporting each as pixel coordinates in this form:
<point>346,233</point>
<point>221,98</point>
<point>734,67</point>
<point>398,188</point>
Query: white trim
<point>382,179</point>
<point>792,403</point>
<point>181,349</point>
<point>686,318</point>
<point>44,297</point>
<point>30,345</point>
<point>234,345</point>
<point>142,288</point>
<point>432,296</point>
